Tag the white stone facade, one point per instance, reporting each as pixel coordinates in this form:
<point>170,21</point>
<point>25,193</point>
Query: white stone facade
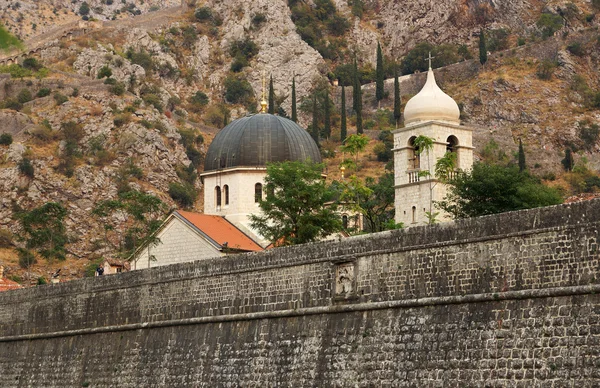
<point>179,243</point>
<point>240,202</point>
<point>416,194</point>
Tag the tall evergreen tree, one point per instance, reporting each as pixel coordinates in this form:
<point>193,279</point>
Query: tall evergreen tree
<point>568,162</point>
<point>522,165</point>
<point>357,99</point>
<point>379,76</point>
<point>482,48</point>
<point>315,119</point>
<point>355,86</point>
<point>343,129</point>
<point>327,115</point>
<point>397,99</point>
<point>271,97</point>
<point>294,111</point>
<point>359,123</point>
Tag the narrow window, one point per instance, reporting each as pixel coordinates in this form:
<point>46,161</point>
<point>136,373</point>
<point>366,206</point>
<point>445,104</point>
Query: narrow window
<point>345,221</point>
<point>414,214</point>
<point>414,160</point>
<point>218,196</point>
<point>226,192</point>
<point>257,192</point>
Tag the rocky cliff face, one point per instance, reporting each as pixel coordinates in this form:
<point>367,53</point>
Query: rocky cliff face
<point>174,90</point>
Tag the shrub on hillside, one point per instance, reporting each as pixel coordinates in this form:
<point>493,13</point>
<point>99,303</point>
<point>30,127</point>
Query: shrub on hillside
<point>26,168</point>
<point>237,90</point>
<point>6,139</point>
<point>24,96</point>
<point>549,23</point>
<point>184,194</point>
<point>546,69</point>
<point>43,92</point>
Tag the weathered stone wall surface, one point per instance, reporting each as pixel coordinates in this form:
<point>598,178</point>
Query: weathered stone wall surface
<point>506,300</point>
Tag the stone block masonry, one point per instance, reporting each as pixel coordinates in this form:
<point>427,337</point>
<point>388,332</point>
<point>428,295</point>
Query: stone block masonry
<point>497,301</point>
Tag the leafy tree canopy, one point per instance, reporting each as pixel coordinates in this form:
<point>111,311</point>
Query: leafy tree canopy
<point>374,199</point>
<point>45,228</point>
<point>491,189</point>
<point>294,211</point>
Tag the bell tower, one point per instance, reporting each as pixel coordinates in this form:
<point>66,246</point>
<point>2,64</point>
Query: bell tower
<point>434,115</point>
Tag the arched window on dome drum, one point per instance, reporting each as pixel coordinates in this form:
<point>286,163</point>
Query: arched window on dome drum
<point>226,193</point>
<point>414,160</point>
<point>218,197</point>
<point>258,191</point>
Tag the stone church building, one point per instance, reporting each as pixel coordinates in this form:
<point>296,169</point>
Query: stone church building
<point>235,170</point>
<point>234,176</point>
<point>434,114</point>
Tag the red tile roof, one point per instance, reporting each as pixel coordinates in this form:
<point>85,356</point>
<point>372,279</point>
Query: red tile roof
<point>7,284</point>
<point>220,230</point>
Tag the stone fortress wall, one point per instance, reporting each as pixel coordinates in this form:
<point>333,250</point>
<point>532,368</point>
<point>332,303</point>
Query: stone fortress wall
<point>505,300</point>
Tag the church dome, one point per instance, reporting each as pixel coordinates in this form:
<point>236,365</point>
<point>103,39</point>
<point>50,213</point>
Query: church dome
<point>254,141</point>
<point>431,103</point>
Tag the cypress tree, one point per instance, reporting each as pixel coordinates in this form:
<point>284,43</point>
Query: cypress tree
<point>271,97</point>
<point>522,165</point>
<point>568,162</point>
<point>379,76</point>
<point>343,129</point>
<point>327,114</point>
<point>482,48</point>
<point>355,86</point>
<point>294,112</point>
<point>315,127</point>
<point>359,126</point>
<point>397,99</point>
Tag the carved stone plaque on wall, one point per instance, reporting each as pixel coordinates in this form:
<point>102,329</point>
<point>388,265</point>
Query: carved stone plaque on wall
<point>344,280</point>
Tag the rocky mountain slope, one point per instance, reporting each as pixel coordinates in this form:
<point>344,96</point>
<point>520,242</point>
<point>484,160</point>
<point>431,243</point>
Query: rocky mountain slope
<point>130,98</point>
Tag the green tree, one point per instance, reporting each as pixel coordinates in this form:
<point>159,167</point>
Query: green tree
<point>482,48</point>
<point>294,211</point>
<point>327,115</point>
<point>490,189</point>
<point>8,41</point>
<point>104,71</point>
<point>549,23</point>
<point>357,100</point>
<point>397,99</point>
<point>315,118</point>
<point>373,199</point>
<point>379,76</point>
<point>84,9</point>
<point>144,211</point>
<point>343,128</point>
<point>45,229</point>
<point>354,145</point>
<point>294,110</point>
<point>568,162</point>
<point>522,165</point>
<point>271,96</point>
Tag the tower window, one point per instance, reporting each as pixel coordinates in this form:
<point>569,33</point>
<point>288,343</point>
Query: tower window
<point>414,159</point>
<point>414,214</point>
<point>226,193</point>
<point>218,196</point>
<point>258,191</point>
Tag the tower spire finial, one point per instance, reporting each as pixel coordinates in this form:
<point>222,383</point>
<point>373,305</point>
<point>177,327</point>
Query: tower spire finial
<point>263,102</point>
<point>430,58</point>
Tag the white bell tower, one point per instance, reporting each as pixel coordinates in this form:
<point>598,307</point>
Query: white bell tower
<point>434,114</point>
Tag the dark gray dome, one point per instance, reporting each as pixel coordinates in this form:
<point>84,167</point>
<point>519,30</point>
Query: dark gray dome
<point>259,139</point>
